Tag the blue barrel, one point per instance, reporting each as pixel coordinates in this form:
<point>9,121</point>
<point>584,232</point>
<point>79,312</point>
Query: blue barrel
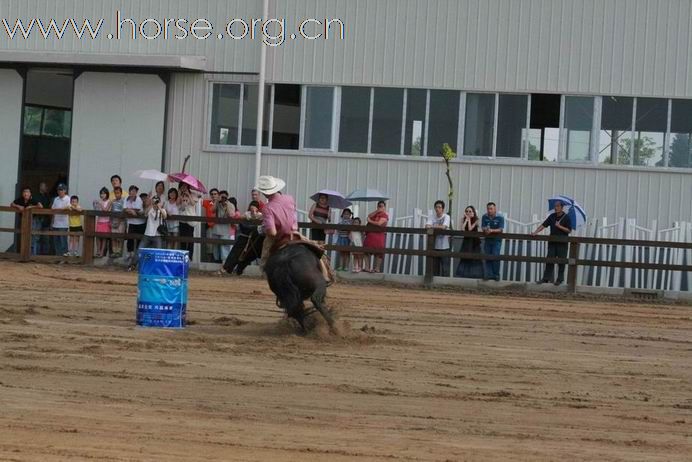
<point>162,288</point>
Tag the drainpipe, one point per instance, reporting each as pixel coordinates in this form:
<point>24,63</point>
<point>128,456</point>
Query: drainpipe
<point>260,98</point>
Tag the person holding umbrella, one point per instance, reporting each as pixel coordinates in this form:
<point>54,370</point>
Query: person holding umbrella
<point>560,224</point>
<point>319,214</point>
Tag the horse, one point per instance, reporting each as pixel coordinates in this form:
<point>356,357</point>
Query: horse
<point>294,275</point>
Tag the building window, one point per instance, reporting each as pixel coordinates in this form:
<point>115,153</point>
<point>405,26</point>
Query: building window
<point>650,131</point>
<point>225,114</point>
<point>387,117</point>
<point>578,127</point>
<point>249,129</point>
<point>416,102</point>
<point>680,154</point>
<point>511,125</point>
<point>286,121</point>
<point>47,122</point>
<point>479,124</point>
<point>615,139</point>
<point>355,119</point>
<point>443,121</point>
<point>319,117</point>
<point>544,127</point>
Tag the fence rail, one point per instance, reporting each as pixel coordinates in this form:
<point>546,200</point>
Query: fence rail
<point>593,260</point>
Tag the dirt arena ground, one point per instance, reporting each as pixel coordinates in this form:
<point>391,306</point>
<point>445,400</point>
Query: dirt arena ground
<point>413,375</point>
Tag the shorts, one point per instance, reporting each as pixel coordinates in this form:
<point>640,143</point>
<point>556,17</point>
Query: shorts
<point>103,227</point>
<point>118,227</point>
<point>343,241</point>
<point>76,229</point>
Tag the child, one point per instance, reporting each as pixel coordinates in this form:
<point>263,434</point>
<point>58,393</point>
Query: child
<point>117,223</point>
<point>103,224</point>
<point>344,241</point>
<point>356,238</point>
<point>75,227</point>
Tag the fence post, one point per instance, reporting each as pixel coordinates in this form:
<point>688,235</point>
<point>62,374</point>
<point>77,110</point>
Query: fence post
<point>89,230</point>
<point>25,239</point>
<point>429,264</point>
<point>573,268</point>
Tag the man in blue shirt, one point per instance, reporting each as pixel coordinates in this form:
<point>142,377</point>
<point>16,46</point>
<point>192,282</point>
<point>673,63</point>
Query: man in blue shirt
<point>492,225</point>
<point>560,225</point>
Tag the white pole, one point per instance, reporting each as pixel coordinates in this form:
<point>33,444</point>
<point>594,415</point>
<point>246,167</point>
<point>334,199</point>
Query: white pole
<point>260,98</point>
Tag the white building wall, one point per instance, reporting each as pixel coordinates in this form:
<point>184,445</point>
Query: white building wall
<point>222,55</point>
<point>520,189</point>
<point>10,120</point>
<point>118,123</point>
<point>619,47</point>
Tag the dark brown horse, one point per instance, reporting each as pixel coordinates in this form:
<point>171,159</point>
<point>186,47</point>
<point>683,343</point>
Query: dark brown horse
<point>294,275</point>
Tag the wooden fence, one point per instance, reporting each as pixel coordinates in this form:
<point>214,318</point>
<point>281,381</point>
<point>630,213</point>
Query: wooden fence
<point>575,261</point>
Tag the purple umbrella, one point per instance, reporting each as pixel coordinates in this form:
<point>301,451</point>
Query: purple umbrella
<point>334,199</point>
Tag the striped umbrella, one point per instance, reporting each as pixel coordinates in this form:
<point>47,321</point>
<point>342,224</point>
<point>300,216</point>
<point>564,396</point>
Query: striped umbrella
<point>575,212</point>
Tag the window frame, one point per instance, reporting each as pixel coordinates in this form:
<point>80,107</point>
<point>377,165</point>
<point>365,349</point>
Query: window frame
<point>593,159</point>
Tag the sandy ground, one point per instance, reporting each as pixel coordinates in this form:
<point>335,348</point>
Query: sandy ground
<point>413,375</point>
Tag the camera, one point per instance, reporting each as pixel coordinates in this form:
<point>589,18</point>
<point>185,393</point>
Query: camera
<point>157,201</point>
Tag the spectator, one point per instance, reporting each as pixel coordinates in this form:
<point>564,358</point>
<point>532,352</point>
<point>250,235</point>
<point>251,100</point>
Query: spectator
<point>75,221</point>
<point>440,220</point>
<point>43,198</point>
<point>61,222</point>
<point>136,223</point>
<point>159,192</point>
<point>560,225</point>
<point>356,238</point>
<point>236,215</point>
<point>27,202</point>
<point>344,241</point>
<point>247,244</point>
<point>187,206</point>
<point>171,207</point>
<point>376,239</point>
<point>493,225</point>
<point>209,206</point>
<point>224,209</point>
<point>257,197</point>
<point>116,182</point>
<point>472,269</point>
<point>155,214</point>
<point>103,224</point>
<point>319,213</point>
<point>117,223</point>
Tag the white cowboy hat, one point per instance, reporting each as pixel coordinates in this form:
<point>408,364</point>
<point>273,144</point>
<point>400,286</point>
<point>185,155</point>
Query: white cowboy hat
<point>269,185</point>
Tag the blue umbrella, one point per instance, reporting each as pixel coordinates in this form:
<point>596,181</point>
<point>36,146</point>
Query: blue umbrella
<point>575,212</point>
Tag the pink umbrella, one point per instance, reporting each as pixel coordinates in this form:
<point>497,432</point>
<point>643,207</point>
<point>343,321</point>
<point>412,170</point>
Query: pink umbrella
<point>189,180</point>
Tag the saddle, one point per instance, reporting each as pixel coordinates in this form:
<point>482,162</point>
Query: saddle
<point>296,238</point>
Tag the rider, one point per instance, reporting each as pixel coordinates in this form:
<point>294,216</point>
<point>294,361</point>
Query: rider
<point>280,219</point>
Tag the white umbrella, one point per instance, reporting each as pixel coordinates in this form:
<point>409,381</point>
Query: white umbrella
<point>153,175</point>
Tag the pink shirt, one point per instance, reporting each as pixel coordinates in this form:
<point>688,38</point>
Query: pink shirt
<point>280,214</point>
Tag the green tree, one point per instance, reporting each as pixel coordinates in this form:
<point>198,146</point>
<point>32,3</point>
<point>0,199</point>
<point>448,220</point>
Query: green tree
<point>534,153</point>
<point>644,149</point>
<point>681,151</point>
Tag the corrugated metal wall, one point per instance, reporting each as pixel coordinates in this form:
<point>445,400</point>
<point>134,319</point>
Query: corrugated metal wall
<point>520,190</point>
<point>620,47</point>
<point>222,55</point>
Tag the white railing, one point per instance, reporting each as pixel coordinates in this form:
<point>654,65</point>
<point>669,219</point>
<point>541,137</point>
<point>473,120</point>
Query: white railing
<point>531,272</point>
